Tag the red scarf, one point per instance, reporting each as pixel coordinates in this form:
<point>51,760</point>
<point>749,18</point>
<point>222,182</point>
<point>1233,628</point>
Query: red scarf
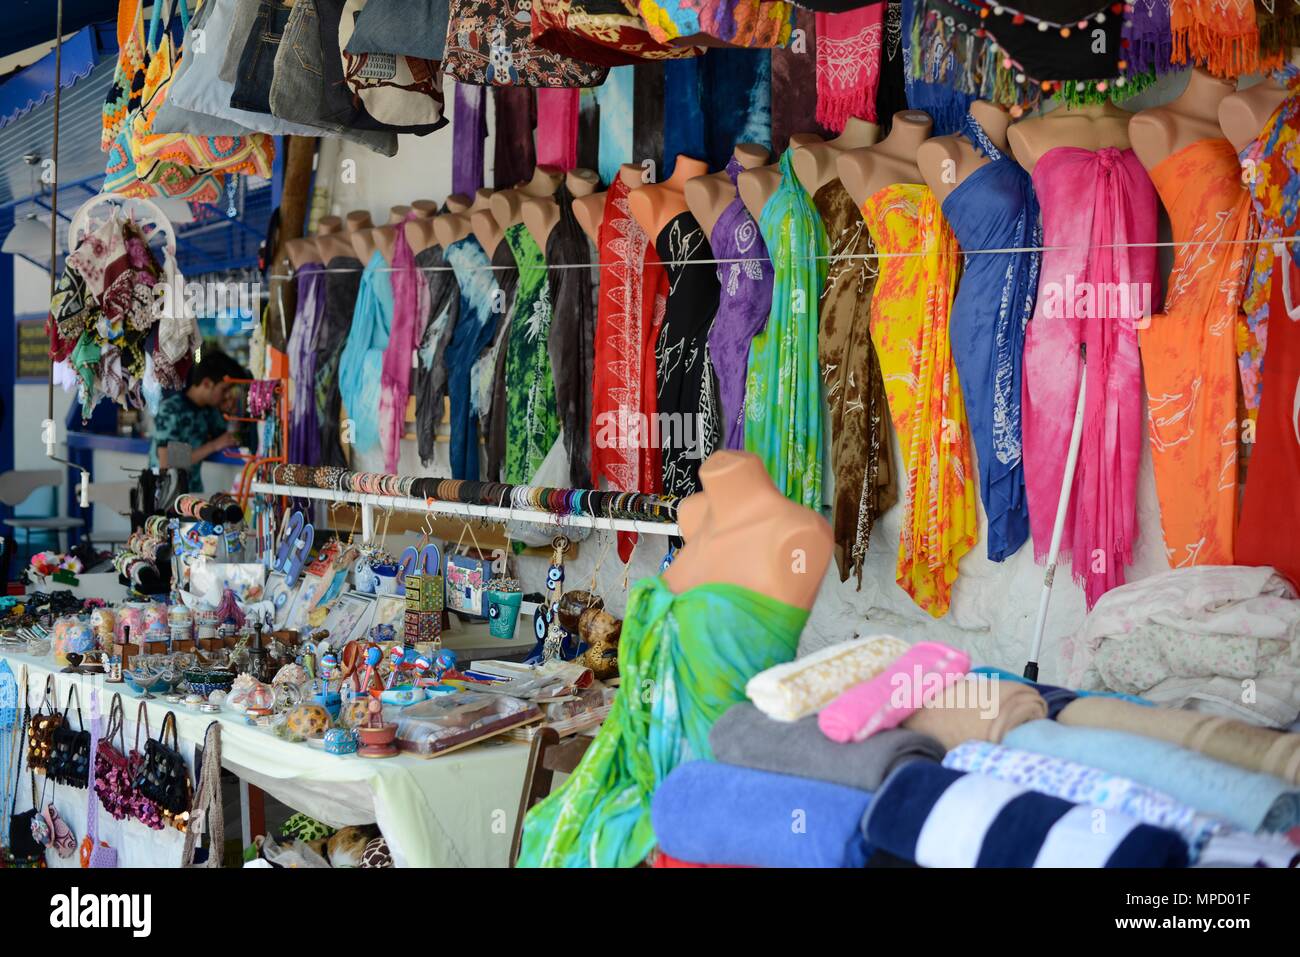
<point>848,65</point>
<point>633,295</point>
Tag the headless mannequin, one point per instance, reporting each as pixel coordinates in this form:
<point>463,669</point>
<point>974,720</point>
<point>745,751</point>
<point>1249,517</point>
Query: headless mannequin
<point>866,171</point>
<point>507,204</point>
<point>1161,131</point>
<point>655,204</point>
<point>815,158</point>
<point>301,251</point>
<point>485,228</point>
<point>383,238</point>
<point>1242,115</point>
<point>541,213</point>
<point>742,531</point>
<point>946,161</point>
<point>1094,127</point>
<point>708,196</point>
<point>450,228</point>
<point>419,232</point>
<point>332,245</point>
<point>590,210</point>
<point>458,202</point>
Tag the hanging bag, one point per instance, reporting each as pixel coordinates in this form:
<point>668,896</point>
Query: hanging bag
<point>142,808</point>
<point>130,69</point>
<point>112,773</point>
<point>70,760</point>
<point>49,829</point>
<point>23,847</point>
<point>206,815</point>
<point>253,154</point>
<point>467,577</point>
<point>94,852</point>
<point>164,777</point>
<point>40,731</point>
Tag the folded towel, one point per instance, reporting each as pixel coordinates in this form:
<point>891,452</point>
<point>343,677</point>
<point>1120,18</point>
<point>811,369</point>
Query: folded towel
<point>707,811</point>
<point>884,701</point>
<point>1084,785</point>
<point>790,691</point>
<point>1224,739</point>
<point>977,708</point>
<point>1056,697</point>
<point>1247,799</point>
<point>944,818</point>
<point>745,736</point>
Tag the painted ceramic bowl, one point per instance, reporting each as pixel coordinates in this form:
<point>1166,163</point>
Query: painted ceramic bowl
<point>340,741</point>
<point>308,720</point>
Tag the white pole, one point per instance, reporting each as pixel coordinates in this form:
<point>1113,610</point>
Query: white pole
<point>1058,527</point>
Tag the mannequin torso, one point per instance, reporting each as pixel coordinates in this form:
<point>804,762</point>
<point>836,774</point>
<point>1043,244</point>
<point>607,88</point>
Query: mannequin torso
<point>815,159</point>
<point>450,227</point>
<point>507,204</point>
<point>741,530</point>
<point>340,243</point>
<point>707,196</point>
<point>1242,115</point>
<point>301,251</point>
<point>541,213</point>
<point>655,204</point>
<point>419,232</point>
<point>1091,127</point>
<point>589,210</point>
<point>1164,130</point>
<point>458,202</point>
<point>946,161</point>
<point>866,171</point>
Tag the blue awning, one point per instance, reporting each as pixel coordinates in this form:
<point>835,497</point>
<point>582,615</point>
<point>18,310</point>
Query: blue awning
<point>34,85</point>
<point>29,23</point>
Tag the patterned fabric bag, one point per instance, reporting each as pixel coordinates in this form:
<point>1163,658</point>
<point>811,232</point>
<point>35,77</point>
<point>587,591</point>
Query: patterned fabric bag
<point>118,105</point>
<point>489,43</point>
<point>253,154</point>
<point>397,90</point>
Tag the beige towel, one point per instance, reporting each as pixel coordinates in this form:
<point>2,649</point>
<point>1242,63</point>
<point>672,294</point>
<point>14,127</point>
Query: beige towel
<point>1233,742</point>
<point>977,708</point>
<point>796,689</point>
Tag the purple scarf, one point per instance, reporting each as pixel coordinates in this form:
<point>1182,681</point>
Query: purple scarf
<point>304,437</point>
<point>1150,43</point>
<point>468,132</point>
<point>743,308</point>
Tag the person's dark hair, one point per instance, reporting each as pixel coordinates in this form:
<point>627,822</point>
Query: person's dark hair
<point>215,366</point>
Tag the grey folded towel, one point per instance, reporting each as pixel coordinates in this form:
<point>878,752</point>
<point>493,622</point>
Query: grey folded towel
<point>749,738</point>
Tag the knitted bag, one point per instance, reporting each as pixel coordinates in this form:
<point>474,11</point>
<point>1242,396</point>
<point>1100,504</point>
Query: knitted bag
<point>113,787</point>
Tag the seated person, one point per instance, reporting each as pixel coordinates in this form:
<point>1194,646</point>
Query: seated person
<point>193,416</point>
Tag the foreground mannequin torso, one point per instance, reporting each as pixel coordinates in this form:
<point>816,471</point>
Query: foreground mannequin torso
<point>655,204</point>
<point>707,196</point>
<point>383,238</point>
<point>507,204</point>
<point>1094,127</point>
<point>340,243</point>
<point>864,172</point>
<point>742,531</point>
<point>1161,131</point>
<point>815,159</point>
<point>541,213</point>
<point>419,232</point>
<point>1242,115</point>
<point>946,161</point>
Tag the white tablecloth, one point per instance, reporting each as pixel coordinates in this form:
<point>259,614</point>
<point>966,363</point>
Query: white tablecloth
<point>453,811</point>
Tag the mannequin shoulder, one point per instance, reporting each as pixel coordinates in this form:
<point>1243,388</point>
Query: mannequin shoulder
<point>1151,135</point>
<point>1243,114</point>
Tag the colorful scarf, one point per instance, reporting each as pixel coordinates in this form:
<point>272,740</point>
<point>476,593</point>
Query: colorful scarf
<point>342,285</point>
<point>410,307</point>
<point>614,106</point>
<point>1148,42</point>
<point>783,400</point>
<point>1089,300</point>
<point>698,649</point>
<point>304,434</point>
<point>909,327</point>
<point>362,363</point>
<point>648,115</point>
<point>848,65</point>
<point>572,338</point>
<point>507,276</point>
<point>469,132</point>
<point>489,43</point>
<point>1221,35</point>
<point>861,446</point>
<point>1279,31</point>
<point>740,23</point>
<point>995,208</point>
<point>557,128</point>
<point>745,274</point>
<point>633,297</point>
<point>440,319</point>
<point>472,333</point>
<point>794,85</point>
<point>713,103</point>
<point>605,32</point>
<point>530,390</point>
<point>1272,174</point>
<point>1189,356</point>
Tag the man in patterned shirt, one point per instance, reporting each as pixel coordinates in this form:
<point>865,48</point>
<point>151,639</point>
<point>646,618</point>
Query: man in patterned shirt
<point>194,415</point>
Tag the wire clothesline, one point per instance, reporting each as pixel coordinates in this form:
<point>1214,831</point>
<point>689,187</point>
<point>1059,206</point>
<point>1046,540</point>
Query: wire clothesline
<point>998,251</point>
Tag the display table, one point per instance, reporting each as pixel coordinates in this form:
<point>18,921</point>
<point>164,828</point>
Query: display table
<point>454,811</point>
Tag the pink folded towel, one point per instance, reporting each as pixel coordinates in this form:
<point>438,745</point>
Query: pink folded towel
<point>888,699</point>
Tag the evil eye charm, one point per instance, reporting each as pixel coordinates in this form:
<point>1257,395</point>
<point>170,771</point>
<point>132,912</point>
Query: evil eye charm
<point>539,624</point>
<point>554,577</point>
<point>667,559</point>
<point>494,611</point>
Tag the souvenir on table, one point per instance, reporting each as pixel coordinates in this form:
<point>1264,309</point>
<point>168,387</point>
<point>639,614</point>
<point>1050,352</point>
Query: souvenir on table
<point>307,721</point>
<point>340,741</point>
<point>70,755</point>
<point>209,580</point>
<point>294,547</point>
<point>440,725</point>
<point>467,578</point>
<point>505,596</point>
<point>163,776</point>
<point>348,617</point>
